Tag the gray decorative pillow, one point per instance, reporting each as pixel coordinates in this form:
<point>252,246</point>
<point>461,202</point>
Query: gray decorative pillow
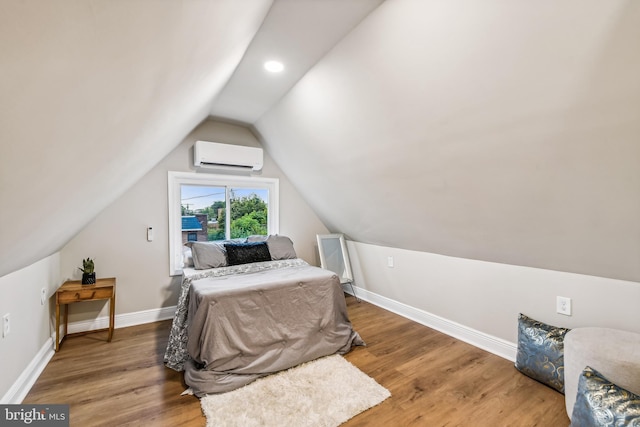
<point>207,255</point>
<point>541,352</point>
<point>601,403</point>
<point>280,247</point>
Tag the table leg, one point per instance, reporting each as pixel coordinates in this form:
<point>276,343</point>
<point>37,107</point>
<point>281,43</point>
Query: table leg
<point>57,343</point>
<point>66,320</point>
<point>112,316</point>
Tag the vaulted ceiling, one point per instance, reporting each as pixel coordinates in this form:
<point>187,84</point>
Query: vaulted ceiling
<point>501,131</point>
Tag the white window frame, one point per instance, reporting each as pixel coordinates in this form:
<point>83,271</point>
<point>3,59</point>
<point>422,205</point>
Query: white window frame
<point>176,179</point>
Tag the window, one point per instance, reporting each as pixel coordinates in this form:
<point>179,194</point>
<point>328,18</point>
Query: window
<point>206,207</point>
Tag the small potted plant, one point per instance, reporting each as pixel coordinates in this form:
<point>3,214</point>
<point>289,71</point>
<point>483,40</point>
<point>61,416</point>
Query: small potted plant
<point>88,273</point>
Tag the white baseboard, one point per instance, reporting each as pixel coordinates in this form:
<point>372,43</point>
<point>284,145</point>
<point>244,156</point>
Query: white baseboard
<point>123,320</point>
<point>487,342</point>
<point>27,379</point>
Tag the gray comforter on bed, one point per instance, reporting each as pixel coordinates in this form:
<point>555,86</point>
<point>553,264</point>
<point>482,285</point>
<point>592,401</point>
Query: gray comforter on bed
<point>244,325</point>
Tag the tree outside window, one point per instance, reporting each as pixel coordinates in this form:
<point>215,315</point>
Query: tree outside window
<point>248,207</point>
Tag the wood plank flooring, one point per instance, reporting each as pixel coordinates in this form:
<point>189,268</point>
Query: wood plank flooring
<point>435,380</point>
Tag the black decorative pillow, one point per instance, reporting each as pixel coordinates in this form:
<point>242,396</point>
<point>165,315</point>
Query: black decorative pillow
<point>541,352</point>
<point>599,402</point>
<point>244,253</point>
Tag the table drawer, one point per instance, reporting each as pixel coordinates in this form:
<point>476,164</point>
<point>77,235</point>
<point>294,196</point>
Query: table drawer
<point>66,297</point>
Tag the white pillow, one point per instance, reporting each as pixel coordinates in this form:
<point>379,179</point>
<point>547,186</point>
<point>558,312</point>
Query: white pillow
<point>187,257</point>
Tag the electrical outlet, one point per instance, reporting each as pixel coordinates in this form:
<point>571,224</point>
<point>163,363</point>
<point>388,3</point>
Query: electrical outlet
<point>43,295</point>
<point>6,326</point>
<point>390,261</point>
<point>563,305</point>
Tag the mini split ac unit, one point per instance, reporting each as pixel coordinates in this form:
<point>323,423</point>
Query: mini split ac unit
<point>226,156</point>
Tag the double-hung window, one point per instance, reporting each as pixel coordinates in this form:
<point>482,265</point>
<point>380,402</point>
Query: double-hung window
<point>207,207</point>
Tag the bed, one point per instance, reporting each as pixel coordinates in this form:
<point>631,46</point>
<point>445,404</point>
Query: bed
<point>236,323</point>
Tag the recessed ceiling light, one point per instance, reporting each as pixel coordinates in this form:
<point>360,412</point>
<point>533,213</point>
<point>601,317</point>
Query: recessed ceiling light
<point>274,66</point>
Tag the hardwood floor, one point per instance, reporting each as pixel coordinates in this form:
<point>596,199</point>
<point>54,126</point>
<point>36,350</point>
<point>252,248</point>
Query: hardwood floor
<point>435,380</point>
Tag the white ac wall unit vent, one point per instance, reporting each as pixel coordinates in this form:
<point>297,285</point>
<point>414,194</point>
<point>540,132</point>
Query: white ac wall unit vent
<point>215,155</point>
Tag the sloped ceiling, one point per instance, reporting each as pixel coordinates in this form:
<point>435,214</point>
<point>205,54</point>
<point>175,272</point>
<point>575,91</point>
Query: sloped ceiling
<point>93,93</point>
<point>499,131</point>
<point>493,130</point>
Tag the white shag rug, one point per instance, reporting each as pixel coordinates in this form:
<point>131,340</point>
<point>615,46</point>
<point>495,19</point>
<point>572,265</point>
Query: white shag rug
<point>325,392</point>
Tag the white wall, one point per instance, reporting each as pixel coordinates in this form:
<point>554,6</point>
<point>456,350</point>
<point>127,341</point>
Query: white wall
<point>31,328</point>
<point>503,131</point>
<point>116,238</point>
<point>487,296</point>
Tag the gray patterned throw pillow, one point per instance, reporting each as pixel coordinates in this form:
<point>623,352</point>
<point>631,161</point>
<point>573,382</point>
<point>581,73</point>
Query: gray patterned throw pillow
<point>601,403</point>
<point>541,352</point>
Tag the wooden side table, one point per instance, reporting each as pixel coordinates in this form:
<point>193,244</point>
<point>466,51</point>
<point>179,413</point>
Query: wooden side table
<point>74,291</point>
